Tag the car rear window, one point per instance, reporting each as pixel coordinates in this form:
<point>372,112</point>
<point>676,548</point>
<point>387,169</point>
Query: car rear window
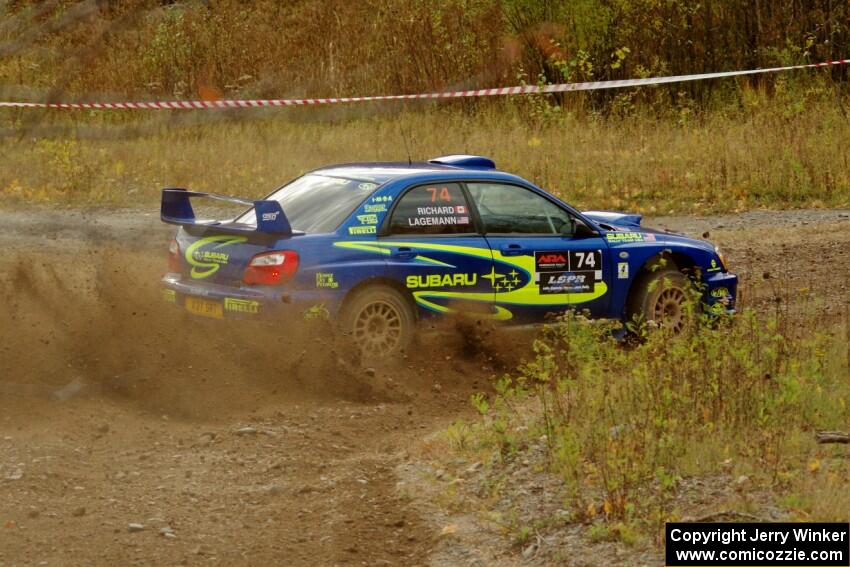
<point>317,203</point>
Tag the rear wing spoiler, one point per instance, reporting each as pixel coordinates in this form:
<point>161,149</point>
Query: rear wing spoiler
<point>177,209</point>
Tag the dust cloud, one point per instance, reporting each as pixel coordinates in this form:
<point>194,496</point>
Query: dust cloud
<point>93,322</point>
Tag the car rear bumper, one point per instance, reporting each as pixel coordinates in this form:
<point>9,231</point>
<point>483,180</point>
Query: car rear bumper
<point>247,302</point>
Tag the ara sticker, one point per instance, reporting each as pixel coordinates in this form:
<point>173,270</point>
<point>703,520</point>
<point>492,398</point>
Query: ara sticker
<point>548,261</point>
<point>623,270</point>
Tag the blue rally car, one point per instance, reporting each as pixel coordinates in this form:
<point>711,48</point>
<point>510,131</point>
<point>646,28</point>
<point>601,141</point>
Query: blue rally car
<point>382,245</point>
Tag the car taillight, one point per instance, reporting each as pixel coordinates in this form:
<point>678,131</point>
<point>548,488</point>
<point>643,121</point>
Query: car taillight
<point>271,268</point>
<point>174,256</point>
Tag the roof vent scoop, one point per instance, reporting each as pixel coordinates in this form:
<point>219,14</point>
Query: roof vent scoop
<point>469,162</point>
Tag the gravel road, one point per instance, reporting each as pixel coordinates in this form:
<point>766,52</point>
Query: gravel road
<point>131,436</point>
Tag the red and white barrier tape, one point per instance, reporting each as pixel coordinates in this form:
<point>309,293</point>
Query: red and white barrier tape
<point>528,89</point>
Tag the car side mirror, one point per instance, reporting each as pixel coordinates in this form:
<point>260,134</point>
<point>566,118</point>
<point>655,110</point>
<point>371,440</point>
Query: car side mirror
<point>569,227</point>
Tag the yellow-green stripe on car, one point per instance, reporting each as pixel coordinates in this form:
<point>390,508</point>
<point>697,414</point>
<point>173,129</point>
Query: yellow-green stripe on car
<point>528,294</point>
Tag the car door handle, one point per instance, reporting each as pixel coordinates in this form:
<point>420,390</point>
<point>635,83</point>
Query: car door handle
<point>512,249</point>
<point>404,253</point>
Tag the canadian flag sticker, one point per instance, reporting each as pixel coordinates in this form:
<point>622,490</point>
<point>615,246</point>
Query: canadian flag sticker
<point>460,209</point>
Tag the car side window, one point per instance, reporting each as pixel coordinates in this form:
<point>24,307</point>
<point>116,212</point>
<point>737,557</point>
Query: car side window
<point>439,208</point>
<point>510,209</point>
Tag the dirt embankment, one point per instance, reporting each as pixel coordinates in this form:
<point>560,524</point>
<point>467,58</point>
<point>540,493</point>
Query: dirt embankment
<point>131,434</point>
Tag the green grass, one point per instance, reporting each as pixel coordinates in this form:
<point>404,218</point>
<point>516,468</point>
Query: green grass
<point>770,152</point>
<point>628,426</point>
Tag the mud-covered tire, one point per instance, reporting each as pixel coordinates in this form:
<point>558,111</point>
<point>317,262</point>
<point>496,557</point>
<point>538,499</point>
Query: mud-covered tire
<point>660,297</point>
<point>380,320</point>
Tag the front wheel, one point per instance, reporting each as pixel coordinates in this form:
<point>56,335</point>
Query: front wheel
<point>661,298</point>
<point>380,320</point>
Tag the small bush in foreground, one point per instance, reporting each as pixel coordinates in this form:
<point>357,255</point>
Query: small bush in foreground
<point>625,425</point>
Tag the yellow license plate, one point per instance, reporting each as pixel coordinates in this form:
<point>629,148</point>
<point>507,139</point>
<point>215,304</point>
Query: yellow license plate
<point>204,307</point>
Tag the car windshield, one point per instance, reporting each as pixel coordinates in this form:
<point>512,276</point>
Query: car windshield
<point>317,203</point>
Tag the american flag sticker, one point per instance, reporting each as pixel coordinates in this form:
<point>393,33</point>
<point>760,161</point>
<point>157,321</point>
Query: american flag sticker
<point>463,220</point>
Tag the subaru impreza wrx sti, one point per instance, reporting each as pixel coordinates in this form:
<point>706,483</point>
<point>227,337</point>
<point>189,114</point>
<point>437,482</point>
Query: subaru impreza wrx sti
<point>379,246</point>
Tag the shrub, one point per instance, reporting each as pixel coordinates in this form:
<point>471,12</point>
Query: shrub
<point>625,424</point>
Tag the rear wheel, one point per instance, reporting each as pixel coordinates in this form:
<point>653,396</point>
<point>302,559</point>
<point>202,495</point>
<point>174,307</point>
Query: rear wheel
<point>660,297</point>
<point>380,320</point>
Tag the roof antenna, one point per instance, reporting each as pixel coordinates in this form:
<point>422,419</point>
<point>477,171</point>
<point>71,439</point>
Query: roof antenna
<point>406,147</point>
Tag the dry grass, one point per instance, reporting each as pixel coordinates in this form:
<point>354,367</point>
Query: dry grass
<point>770,153</point>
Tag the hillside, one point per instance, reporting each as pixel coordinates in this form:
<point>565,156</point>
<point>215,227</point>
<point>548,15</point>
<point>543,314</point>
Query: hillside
<point>317,48</point>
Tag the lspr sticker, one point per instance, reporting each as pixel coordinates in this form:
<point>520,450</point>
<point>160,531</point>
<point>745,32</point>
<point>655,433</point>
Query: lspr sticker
<point>566,282</point>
